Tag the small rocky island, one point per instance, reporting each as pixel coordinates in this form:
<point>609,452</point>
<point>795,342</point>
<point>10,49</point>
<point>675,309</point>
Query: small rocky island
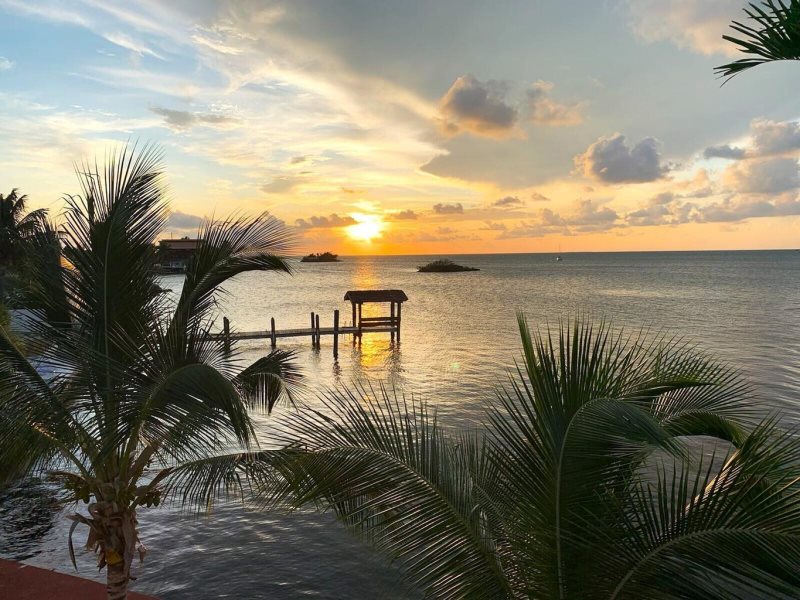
<point>316,257</point>
<point>444,266</point>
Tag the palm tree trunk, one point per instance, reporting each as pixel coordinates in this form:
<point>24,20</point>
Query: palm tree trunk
<point>116,581</point>
<point>118,549</point>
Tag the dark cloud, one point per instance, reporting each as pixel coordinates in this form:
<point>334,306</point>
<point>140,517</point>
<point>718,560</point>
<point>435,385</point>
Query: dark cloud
<point>508,202</point>
<point>662,209</point>
<point>477,107</point>
<point>296,160</point>
<point>537,197</point>
<point>180,220</point>
<point>724,151</point>
<point>768,176</point>
<point>405,215</point>
<point>739,210</point>
<point>611,160</point>
<point>448,209</point>
<point>771,137</point>
<point>589,216</point>
<point>543,110</point>
<point>321,222</point>
<point>181,120</point>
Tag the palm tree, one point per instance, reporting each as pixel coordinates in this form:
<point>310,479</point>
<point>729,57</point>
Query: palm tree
<point>612,467</point>
<point>131,398</point>
<point>774,36</point>
<point>16,229</point>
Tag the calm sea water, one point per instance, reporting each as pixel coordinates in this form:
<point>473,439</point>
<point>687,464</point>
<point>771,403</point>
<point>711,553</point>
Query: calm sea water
<point>459,339</point>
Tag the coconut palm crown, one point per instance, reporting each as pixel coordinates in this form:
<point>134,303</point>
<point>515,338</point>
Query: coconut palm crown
<point>773,35</point>
<point>129,395</point>
<point>613,466</point>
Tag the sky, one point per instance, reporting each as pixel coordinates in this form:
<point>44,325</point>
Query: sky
<point>415,127</point>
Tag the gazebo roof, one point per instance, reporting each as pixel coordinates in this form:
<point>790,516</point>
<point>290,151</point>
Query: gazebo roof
<point>363,296</point>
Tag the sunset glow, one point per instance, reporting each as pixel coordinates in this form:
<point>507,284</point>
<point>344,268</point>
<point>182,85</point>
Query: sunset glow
<point>366,228</point>
<point>523,137</point>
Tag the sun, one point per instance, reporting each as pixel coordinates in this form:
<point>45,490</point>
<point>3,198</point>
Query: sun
<point>366,227</point>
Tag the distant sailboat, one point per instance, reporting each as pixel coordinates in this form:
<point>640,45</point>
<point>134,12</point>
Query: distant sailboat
<point>558,256</point>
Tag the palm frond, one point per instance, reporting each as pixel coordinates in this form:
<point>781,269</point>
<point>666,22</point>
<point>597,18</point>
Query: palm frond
<point>227,248</point>
<point>774,36</point>
<point>392,476</point>
<point>242,476</point>
<point>270,379</point>
<point>703,531</point>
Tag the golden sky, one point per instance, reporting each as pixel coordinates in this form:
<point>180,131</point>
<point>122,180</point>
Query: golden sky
<point>415,127</point>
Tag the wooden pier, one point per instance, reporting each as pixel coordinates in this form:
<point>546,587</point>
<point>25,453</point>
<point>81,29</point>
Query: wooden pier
<point>360,325</point>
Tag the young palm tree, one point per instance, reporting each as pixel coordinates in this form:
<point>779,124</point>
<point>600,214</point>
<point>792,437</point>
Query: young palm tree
<point>130,397</point>
<point>595,478</point>
<point>774,36</point>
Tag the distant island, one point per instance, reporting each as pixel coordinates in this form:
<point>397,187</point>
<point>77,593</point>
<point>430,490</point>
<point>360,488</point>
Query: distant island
<point>444,266</point>
<point>316,257</point>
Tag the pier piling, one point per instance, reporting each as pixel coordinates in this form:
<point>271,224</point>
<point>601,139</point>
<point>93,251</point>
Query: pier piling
<point>226,328</point>
<point>336,333</point>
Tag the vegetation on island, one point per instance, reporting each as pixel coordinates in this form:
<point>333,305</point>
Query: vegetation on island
<point>321,257</point>
<point>611,466</point>
<point>128,399</point>
<point>444,265</point>
<point>773,36</point>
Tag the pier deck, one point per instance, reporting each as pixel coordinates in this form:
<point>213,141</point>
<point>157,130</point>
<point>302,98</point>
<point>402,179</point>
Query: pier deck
<point>387,324</point>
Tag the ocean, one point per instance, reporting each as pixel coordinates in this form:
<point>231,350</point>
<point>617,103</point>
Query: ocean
<point>459,341</point>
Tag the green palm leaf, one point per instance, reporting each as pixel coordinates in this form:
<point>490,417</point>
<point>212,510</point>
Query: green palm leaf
<point>124,396</point>
<point>552,501</point>
<point>774,36</point>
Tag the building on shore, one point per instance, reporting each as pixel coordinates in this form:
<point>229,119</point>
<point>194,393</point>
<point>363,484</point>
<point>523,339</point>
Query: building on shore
<point>173,255</point>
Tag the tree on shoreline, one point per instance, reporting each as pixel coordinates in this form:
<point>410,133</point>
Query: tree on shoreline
<point>613,467</point>
<point>774,37</point>
<point>129,398</point>
<point>17,230</point>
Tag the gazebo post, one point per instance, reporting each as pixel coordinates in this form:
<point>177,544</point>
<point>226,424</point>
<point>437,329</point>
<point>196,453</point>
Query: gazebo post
<point>391,314</point>
<point>399,307</point>
<point>359,321</point>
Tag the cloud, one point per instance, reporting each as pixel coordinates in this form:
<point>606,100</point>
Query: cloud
<point>662,209</point>
<point>297,160</point>
<point>124,41</point>
<point>543,110</point>
<point>332,220</point>
<point>543,223</point>
<point>724,151</point>
<point>181,120</point>
<point>589,216</point>
<point>772,137</point>
<point>405,215</point>
<point>6,64</point>
<point>767,176</point>
<point>611,160</point>
<point>477,107</point>
<point>448,209</point>
<point>181,220</point>
<point>281,185</point>
<point>492,226</point>
<point>537,197</point>
<point>690,24</point>
<point>508,202</point>
<point>738,210</point>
